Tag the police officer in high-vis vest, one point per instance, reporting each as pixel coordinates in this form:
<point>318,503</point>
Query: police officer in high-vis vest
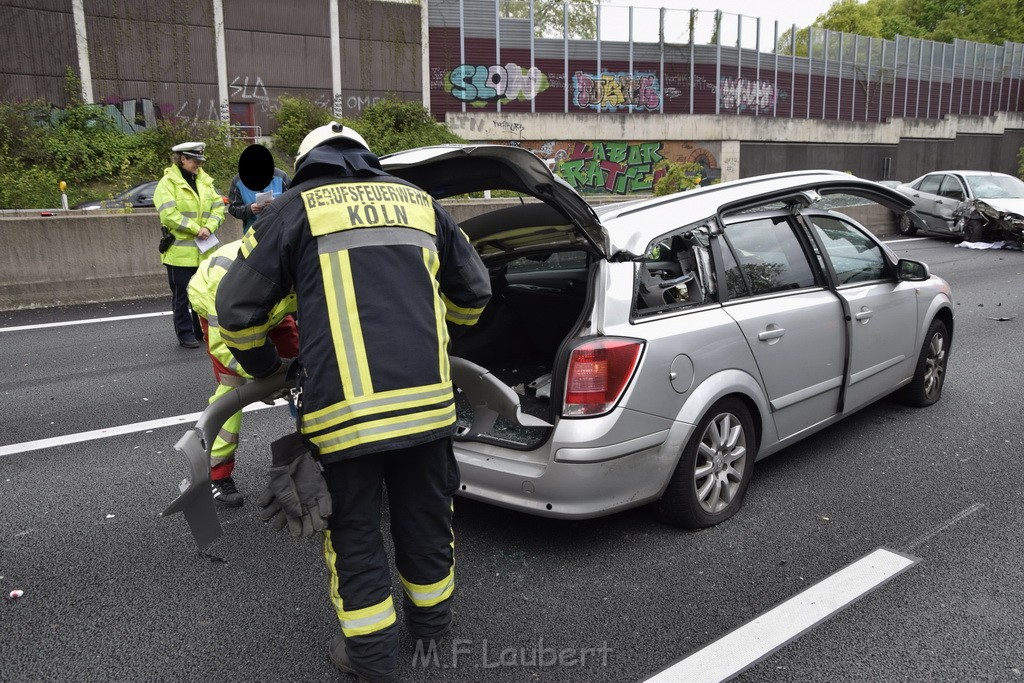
<point>190,208</point>
<point>246,202</point>
<point>380,272</point>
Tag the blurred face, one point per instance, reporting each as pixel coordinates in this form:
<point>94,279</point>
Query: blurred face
<point>189,164</point>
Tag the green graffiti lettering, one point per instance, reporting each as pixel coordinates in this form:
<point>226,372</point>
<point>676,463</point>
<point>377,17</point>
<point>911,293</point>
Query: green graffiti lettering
<point>617,152</point>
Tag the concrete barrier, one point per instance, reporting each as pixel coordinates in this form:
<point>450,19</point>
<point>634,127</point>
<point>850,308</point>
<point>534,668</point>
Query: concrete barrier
<point>85,257</point>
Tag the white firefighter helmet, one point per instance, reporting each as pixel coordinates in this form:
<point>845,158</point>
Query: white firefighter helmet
<point>326,133</point>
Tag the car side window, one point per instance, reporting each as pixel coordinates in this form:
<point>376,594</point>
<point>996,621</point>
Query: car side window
<point>952,188</point>
<point>930,183</point>
<point>768,254</point>
<point>855,257</point>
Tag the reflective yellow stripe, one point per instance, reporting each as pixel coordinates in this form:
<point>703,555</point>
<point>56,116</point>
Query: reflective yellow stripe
<point>343,313</point>
<point>387,428</point>
<point>460,315</point>
<point>428,595</point>
<point>361,621</point>
<point>385,401</point>
<point>249,338</point>
<point>433,264</point>
<point>248,244</point>
<point>332,208</point>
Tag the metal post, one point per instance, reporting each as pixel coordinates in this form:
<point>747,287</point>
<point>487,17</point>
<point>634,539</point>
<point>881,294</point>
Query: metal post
<point>757,68</point>
<point>661,66</point>
<point>839,99</point>
<point>775,91</point>
<point>497,40</point>
<point>920,68</point>
<point>824,79</point>
<point>599,50</point>
<point>1020,76</point>
<point>856,55</point>
<point>931,71</point>
<point>867,84</point>
<point>222,63</point>
<point>565,55</point>
<point>693,20</point>
<point>810,69</point>
<point>462,39</point>
<point>630,54</point>
<point>942,81</point>
<point>881,81</point>
<point>739,52</point>
<point>792,79</point>
<point>895,65</point>
<point>991,90</point>
<point>974,78</point>
<point>718,61</point>
<point>533,62</point>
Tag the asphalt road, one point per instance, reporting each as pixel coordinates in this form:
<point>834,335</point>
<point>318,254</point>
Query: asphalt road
<point>112,592</point>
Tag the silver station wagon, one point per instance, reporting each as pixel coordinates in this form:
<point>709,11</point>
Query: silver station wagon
<point>652,351</point>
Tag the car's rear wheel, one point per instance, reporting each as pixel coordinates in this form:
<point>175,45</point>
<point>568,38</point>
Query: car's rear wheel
<point>711,477</point>
<point>906,225</point>
<point>926,387</point>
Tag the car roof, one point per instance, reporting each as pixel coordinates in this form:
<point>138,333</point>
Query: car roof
<point>631,227</point>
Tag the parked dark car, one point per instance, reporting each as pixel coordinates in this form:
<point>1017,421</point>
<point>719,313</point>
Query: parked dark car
<point>138,197</point>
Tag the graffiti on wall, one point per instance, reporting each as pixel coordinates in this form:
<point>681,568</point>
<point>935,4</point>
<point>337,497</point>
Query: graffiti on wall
<point>480,85</point>
<point>743,94</point>
<point>616,167</point>
<point>614,91</point>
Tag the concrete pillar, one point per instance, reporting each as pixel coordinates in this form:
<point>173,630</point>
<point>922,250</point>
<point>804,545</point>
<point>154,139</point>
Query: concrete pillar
<point>82,44</point>
<point>338,101</point>
<point>222,62</point>
<point>730,161</point>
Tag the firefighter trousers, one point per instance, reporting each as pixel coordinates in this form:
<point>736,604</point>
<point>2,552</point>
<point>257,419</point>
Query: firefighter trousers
<point>420,481</point>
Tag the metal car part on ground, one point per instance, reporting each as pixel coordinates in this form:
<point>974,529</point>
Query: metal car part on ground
<point>685,337</point>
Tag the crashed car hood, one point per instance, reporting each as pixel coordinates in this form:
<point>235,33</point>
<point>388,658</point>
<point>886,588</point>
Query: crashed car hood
<point>450,170</point>
<point>1006,205</point>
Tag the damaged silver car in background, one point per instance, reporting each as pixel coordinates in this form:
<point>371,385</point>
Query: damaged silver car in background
<point>652,351</point>
<point>977,206</point>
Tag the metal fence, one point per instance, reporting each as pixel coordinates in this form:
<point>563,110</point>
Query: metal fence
<point>654,60</point>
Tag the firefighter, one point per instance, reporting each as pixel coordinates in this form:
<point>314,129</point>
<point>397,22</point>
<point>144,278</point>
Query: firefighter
<point>380,271</point>
<point>190,208</point>
<point>202,293</point>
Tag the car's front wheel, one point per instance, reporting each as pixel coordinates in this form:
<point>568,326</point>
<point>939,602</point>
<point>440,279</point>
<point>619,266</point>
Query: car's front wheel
<point>711,478</point>
<point>926,386</point>
<point>906,225</point>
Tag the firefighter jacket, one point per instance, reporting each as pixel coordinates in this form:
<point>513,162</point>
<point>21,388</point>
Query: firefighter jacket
<point>202,294</point>
<point>183,211</point>
<point>379,270</point>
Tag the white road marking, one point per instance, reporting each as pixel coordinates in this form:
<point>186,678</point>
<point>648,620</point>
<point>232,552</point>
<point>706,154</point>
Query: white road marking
<point>960,516</point>
<point>757,639</point>
<point>906,239</point>
<point>95,434</point>
<point>89,321</point>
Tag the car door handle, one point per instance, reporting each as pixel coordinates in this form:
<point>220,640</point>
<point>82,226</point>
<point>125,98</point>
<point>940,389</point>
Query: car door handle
<point>773,332</point>
<point>864,314</point>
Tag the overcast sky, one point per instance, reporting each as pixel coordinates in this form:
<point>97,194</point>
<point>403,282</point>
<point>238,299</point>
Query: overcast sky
<point>615,19</point>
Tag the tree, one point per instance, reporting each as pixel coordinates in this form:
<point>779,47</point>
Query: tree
<point>548,16</point>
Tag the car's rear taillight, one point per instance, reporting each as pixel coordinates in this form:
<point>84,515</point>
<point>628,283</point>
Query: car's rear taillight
<point>599,371</point>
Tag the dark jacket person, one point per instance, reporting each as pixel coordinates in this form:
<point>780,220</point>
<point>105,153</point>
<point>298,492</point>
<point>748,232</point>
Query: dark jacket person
<point>379,271</point>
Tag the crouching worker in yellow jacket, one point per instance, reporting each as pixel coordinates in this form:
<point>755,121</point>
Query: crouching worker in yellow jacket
<point>202,294</point>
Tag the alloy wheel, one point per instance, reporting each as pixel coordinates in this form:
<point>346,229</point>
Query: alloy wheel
<point>935,365</point>
<point>721,460</point>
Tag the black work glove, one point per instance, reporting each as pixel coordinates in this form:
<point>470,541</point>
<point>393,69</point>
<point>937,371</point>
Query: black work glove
<point>297,495</point>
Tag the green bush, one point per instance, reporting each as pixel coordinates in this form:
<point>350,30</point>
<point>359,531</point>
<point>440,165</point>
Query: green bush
<point>295,117</point>
<point>393,125</point>
<point>678,177</point>
<point>33,187</point>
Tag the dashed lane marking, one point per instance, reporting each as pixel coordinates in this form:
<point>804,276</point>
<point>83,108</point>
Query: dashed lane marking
<point>757,639</point>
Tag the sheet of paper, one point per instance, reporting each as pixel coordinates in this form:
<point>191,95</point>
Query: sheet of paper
<point>207,244</point>
<point>264,197</point>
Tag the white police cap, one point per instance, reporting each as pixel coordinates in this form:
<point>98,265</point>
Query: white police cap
<point>193,150</point>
